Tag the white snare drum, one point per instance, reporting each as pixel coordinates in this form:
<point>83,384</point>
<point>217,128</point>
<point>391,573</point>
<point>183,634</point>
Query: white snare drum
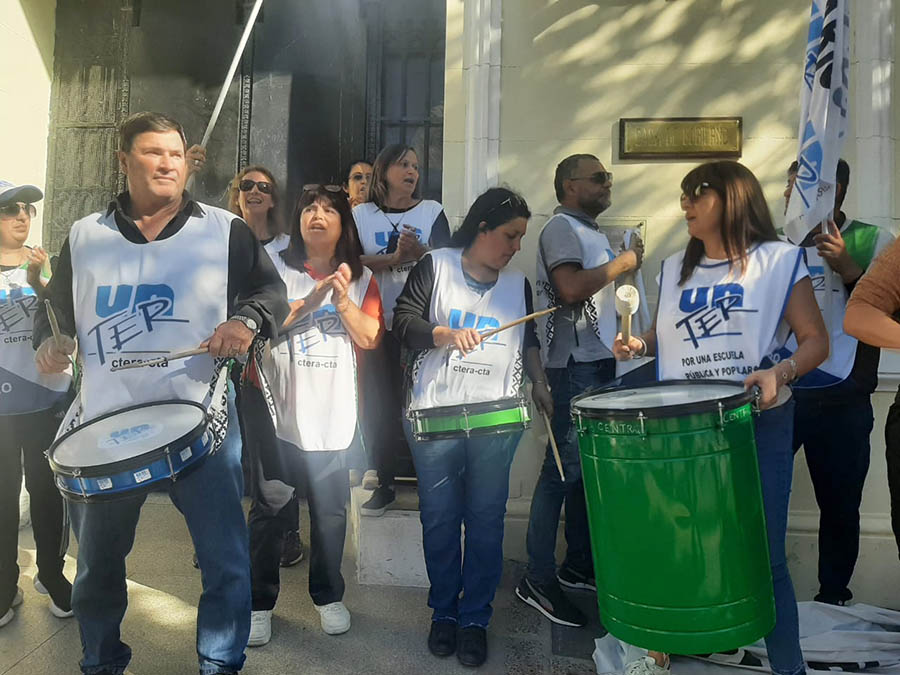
<point>130,451</point>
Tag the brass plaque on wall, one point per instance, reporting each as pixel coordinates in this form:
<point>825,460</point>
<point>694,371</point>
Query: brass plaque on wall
<point>680,137</point>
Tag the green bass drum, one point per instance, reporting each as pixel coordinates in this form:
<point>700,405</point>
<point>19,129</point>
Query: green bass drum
<point>675,510</point>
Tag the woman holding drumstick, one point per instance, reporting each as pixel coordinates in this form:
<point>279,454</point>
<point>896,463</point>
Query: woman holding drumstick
<point>726,303</point>
<point>334,305</point>
<point>468,388</point>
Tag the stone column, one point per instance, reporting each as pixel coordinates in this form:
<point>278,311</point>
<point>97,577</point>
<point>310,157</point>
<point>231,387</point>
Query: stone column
<point>872,62</point>
<point>481,81</point>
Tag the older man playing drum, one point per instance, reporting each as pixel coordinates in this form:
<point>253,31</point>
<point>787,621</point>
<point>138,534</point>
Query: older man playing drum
<point>155,273</point>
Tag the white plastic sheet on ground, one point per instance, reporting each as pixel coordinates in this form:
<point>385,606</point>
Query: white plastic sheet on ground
<point>855,639</point>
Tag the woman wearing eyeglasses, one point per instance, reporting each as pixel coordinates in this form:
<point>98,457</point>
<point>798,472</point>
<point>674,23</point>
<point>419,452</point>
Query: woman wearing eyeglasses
<point>467,411</point>
<point>31,406</point>
<point>310,372</point>
<point>396,228</point>
<point>729,300</point>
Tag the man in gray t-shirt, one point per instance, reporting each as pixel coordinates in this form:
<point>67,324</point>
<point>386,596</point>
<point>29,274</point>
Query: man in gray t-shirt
<point>576,269</point>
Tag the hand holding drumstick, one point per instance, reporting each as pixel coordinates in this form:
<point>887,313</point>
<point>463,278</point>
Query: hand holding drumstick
<point>54,354</point>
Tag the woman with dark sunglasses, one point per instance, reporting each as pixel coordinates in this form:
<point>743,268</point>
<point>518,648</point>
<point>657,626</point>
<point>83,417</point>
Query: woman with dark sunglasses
<point>729,301</point>
<point>396,228</point>
<point>310,371</point>
<point>31,406</point>
<point>467,411</point>
<point>253,194</point>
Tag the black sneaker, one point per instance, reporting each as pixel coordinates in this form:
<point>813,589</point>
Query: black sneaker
<point>292,551</point>
<point>550,601</point>
<point>442,638</point>
<point>472,649</point>
<point>571,578</point>
<point>378,502</point>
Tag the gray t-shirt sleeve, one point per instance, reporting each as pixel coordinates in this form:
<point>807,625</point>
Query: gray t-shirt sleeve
<point>560,244</point>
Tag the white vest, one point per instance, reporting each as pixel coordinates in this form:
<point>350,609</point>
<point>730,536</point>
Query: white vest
<point>842,352</point>
<point>279,243</point>
<point>375,228</point>
<point>142,301</point>
<point>22,388</point>
<point>493,371</point>
<point>721,324</point>
<point>600,308</point>
<point>311,370</point>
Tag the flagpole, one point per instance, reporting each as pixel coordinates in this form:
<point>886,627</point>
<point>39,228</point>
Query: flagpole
<point>251,21</point>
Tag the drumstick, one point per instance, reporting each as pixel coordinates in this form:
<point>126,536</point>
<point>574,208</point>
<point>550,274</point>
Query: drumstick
<point>162,359</point>
<point>54,324</point>
<point>553,447</point>
<point>627,302</point>
<point>529,317</point>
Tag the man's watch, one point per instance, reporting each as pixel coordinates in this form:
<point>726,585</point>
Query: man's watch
<point>247,321</point>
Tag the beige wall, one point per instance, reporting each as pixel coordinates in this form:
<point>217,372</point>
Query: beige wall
<point>27,29</point>
<point>570,70</point>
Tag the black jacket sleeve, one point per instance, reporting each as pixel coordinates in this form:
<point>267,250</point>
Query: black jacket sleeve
<point>255,289</point>
<point>531,338</point>
<point>440,232</point>
<point>59,292</point>
<point>411,324</point>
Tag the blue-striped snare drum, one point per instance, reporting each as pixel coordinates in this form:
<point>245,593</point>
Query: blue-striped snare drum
<point>130,451</point>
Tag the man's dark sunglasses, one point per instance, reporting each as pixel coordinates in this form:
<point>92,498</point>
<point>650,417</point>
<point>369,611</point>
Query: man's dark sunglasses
<point>264,186</point>
<point>599,178</point>
<point>12,210</point>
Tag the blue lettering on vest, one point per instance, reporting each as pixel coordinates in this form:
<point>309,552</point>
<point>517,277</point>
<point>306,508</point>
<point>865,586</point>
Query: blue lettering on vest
<point>126,294</point>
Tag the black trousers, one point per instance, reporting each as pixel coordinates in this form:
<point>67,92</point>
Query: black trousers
<point>834,430</point>
<point>323,478</point>
<point>381,409</point>
<point>28,436</point>
<point>892,454</point>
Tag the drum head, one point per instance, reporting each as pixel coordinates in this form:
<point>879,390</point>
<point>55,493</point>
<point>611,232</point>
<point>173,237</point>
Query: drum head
<point>126,434</point>
<point>662,399</point>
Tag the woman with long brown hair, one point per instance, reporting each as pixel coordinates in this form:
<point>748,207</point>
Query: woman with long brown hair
<point>396,228</point>
<point>728,302</point>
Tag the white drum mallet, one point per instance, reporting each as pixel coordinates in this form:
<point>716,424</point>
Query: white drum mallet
<point>627,302</point>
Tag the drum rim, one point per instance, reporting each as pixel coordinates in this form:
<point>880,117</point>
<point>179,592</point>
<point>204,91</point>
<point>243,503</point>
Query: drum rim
<point>478,408</point>
<point>738,399</point>
<point>136,462</point>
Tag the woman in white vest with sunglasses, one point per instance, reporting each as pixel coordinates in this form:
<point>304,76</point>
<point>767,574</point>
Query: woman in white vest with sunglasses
<point>728,302</point>
<point>466,410</point>
<point>307,380</point>
<point>31,407</point>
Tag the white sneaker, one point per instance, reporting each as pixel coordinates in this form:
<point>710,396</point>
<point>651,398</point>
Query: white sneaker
<point>646,665</point>
<point>55,609</point>
<point>335,618</point>
<point>10,613</point>
<point>370,480</point>
<point>260,628</point>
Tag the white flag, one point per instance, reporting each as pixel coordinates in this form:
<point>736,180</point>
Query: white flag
<point>824,102</point>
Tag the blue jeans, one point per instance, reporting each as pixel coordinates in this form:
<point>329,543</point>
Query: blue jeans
<point>774,434</point>
<point>210,500</point>
<point>463,481</point>
<point>550,492</point>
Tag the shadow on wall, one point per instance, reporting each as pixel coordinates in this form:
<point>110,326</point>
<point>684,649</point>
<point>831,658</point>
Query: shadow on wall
<point>571,70</point>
